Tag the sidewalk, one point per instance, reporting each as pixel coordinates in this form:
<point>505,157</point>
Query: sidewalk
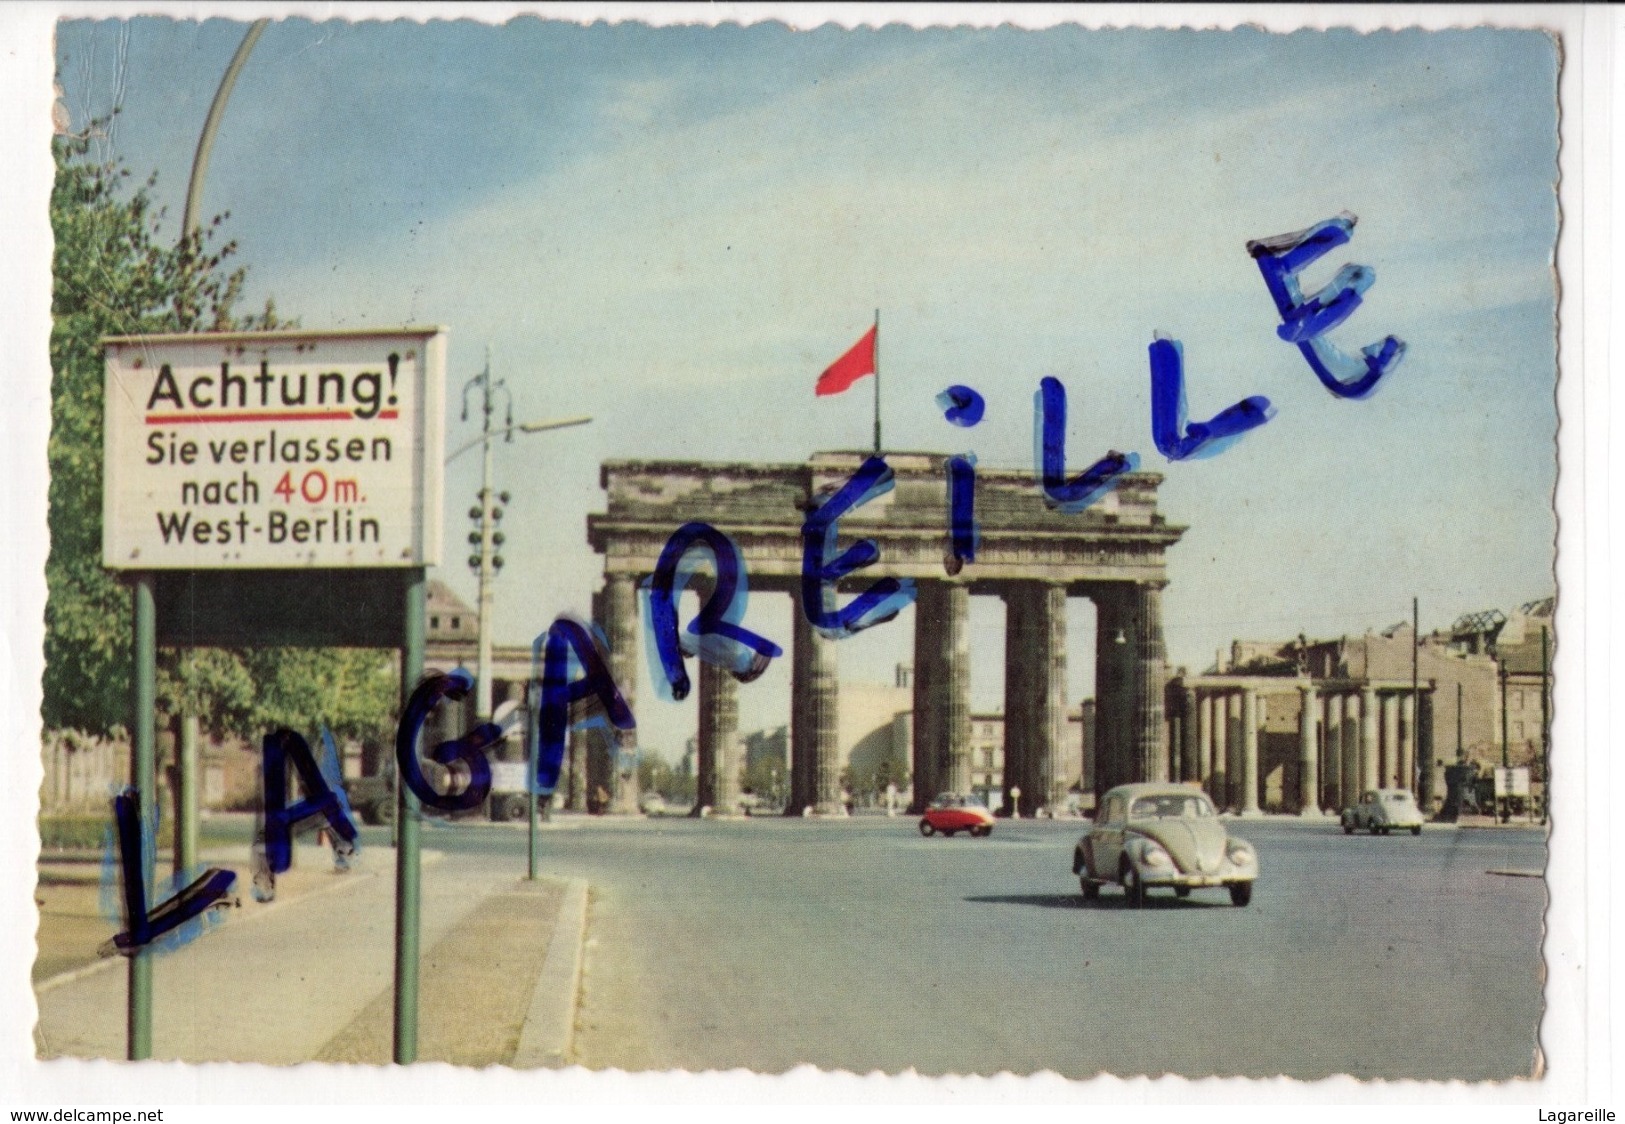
<point>311,975</point>
<point>73,925</point>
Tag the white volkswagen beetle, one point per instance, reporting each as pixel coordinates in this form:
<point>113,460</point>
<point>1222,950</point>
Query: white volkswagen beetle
<point>1150,835</point>
<point>1382,810</point>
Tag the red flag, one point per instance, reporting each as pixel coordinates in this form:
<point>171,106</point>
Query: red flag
<point>851,367</point>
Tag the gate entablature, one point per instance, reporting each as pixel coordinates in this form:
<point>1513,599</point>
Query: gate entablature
<point>762,507</point>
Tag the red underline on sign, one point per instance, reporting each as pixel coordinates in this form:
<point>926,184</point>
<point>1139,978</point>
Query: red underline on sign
<point>285,415</point>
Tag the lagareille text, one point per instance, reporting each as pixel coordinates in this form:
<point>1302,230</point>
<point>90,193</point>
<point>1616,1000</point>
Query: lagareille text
<point>572,684</point>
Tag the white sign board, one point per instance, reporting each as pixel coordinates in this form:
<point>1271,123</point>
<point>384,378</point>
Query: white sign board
<point>270,450</point>
<point>510,776</point>
<point>1511,782</point>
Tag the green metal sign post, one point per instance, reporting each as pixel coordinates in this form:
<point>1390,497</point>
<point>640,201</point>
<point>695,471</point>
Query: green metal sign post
<point>408,869</point>
<point>144,776</point>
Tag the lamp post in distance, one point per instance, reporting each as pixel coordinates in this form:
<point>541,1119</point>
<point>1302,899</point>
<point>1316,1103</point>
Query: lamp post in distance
<point>521,427</point>
<point>485,535</point>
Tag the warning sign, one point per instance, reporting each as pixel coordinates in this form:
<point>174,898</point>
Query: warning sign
<point>263,450</point>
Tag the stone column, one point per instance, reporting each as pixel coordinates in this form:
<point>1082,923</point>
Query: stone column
<point>579,745</point>
<point>1204,736</point>
<point>815,758</point>
<point>1369,720</point>
<point>1055,776</point>
<point>1190,749</point>
<point>621,624</point>
<point>1353,747</point>
<point>1234,763</point>
<point>1150,684</point>
<point>1424,751</point>
<point>1114,689</point>
<point>1334,752</point>
<point>1308,757</point>
<point>826,720</point>
<point>927,724</point>
<point>1249,753</point>
<point>1407,742</point>
<point>952,696</point>
<point>718,766</point>
<point>1389,771</point>
<point>1035,696</point>
<point>1018,709</point>
<point>1219,778</point>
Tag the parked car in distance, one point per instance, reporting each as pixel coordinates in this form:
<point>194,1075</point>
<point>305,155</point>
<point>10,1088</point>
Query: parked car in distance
<point>1382,810</point>
<point>373,798</point>
<point>652,804</point>
<point>1162,835</point>
<point>755,804</point>
<point>951,813</point>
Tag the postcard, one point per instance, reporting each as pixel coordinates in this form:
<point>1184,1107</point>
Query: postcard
<point>918,545</point>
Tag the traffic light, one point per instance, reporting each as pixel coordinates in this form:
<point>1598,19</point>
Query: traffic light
<point>476,536</point>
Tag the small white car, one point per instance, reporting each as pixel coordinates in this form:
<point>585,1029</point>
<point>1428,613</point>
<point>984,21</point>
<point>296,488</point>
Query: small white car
<point>1382,810</point>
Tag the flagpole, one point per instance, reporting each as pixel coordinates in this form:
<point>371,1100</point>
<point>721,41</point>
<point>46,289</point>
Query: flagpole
<point>877,382</point>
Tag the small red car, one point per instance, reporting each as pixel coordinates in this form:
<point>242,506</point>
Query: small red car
<point>950,813</point>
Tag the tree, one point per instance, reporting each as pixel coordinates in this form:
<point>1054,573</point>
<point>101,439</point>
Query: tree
<point>111,275</point>
<point>114,274</point>
<point>654,775</point>
<point>867,782</point>
<point>766,777</point>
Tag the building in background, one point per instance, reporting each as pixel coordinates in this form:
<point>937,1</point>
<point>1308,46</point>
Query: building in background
<point>1304,725</point>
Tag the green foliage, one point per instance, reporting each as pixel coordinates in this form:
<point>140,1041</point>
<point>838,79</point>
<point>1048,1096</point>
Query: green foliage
<point>112,276</point>
<point>87,832</point>
<point>767,777</point>
<point>654,775</point>
<point>351,691</point>
<point>867,784</point>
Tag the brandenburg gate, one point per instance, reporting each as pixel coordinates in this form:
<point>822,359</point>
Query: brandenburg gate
<point>1032,557</point>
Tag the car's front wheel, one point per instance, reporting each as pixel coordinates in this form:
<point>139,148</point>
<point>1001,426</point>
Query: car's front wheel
<point>1375,830</point>
<point>1416,829</point>
<point>1133,888</point>
<point>1348,827</point>
<point>926,828</point>
<point>1241,893</point>
<point>1091,890</point>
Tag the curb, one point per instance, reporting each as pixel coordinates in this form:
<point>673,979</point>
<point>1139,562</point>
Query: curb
<point>549,1032</point>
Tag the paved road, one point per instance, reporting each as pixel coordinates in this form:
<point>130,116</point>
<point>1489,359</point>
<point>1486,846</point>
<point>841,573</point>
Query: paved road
<point>859,945</point>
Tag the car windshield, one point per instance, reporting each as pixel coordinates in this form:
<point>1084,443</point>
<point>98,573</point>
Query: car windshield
<point>1399,798</point>
<point>1171,806</point>
<point>946,802</point>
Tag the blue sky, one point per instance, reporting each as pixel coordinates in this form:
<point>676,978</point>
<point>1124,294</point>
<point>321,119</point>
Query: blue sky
<point>675,229</point>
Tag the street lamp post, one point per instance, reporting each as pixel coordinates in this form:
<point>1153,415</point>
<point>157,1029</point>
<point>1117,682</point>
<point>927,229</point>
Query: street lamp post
<point>486,570</point>
<point>487,561</point>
